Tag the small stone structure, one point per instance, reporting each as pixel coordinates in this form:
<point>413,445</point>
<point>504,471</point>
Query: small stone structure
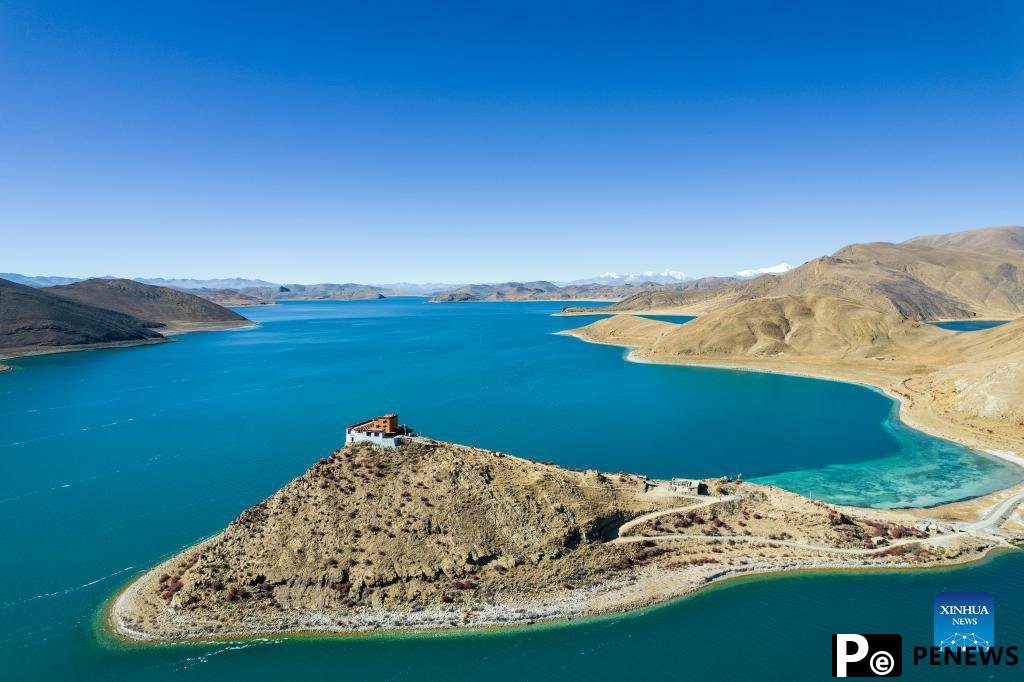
<point>690,487</point>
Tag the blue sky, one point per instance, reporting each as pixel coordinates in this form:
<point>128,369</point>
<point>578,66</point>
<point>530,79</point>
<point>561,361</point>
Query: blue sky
<point>383,141</point>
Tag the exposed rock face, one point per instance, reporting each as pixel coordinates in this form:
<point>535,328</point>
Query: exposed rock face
<point>32,319</point>
<point>158,306</point>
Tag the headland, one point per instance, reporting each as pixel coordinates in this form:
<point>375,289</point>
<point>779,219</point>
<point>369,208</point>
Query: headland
<point>434,535</point>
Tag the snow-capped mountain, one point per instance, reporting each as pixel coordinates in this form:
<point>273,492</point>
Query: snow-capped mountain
<point>612,278</point>
<point>189,283</point>
<point>770,270</point>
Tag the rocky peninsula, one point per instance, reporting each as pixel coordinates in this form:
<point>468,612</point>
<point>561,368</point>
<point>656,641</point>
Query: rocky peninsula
<point>437,535</point>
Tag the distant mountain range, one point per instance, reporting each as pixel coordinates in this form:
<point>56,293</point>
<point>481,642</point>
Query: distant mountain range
<point>649,276</point>
<point>40,281</point>
<point>239,292</point>
<point>227,283</point>
<point>548,291</point>
<point>257,287</point>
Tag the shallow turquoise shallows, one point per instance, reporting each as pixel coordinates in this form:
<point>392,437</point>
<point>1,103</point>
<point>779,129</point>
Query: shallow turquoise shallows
<point>115,459</point>
<point>969,325</point>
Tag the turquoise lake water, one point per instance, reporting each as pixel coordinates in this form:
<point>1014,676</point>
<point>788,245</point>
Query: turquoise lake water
<point>969,325</point>
<point>115,459</point>
<point>674,319</point>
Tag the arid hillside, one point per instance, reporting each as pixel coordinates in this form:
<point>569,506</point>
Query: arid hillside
<point>33,320</point>
<point>230,298</point>
<point>987,240</point>
<point>426,524</point>
<point>158,306</point>
<point>956,276</point>
<point>815,325</point>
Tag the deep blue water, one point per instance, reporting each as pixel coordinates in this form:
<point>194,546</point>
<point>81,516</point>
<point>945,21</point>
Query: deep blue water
<point>115,459</point>
<point>969,325</point>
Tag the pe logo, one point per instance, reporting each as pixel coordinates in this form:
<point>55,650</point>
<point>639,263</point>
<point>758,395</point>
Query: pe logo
<point>867,655</point>
<point>964,620</point>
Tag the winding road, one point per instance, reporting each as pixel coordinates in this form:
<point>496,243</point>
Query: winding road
<point>997,515</point>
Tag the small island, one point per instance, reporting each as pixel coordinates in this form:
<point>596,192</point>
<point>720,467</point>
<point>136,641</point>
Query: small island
<point>396,531</point>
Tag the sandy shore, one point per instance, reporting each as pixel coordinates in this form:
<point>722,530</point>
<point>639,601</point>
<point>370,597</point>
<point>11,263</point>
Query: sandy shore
<point>647,589</point>
<point>30,352</point>
<point>667,312</point>
<point>178,328</point>
<point>651,586</point>
<point>174,329</point>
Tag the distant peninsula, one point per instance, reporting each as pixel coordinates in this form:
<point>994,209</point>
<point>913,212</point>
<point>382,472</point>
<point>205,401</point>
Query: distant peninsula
<point>100,313</point>
<point>437,535</point>
<point>548,291</point>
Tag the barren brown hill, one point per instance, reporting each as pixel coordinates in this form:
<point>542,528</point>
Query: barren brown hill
<point>265,295</point>
<point>533,291</point>
<point>326,292</point>
<point>161,307</point>
<point>34,320</point>
<point>623,330</point>
<point>434,534</point>
<point>817,326</point>
<point>990,239</point>
<point>426,524</point>
<point>230,298</point>
<point>914,279</point>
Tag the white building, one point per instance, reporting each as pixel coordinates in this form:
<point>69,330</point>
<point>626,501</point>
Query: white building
<point>384,431</point>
